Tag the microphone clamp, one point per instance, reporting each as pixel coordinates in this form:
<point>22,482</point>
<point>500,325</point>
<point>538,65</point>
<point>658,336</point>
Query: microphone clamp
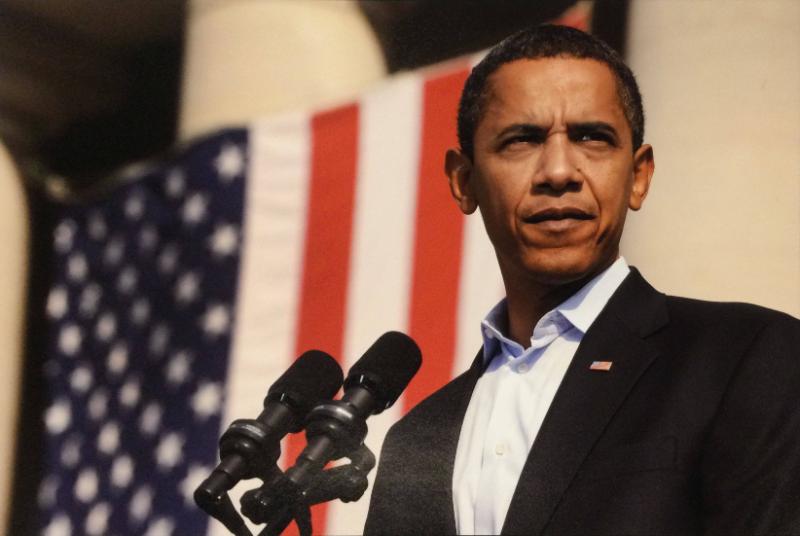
<point>339,421</point>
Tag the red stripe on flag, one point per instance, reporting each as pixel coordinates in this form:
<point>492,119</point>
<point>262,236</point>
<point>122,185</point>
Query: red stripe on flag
<point>328,237</point>
<point>437,244</point>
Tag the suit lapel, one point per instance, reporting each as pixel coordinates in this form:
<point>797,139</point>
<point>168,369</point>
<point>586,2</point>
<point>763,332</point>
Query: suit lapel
<point>445,426</point>
<point>586,400</point>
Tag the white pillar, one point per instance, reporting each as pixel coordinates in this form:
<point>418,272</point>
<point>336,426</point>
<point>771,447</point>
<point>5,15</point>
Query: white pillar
<point>250,58</point>
<point>13,284</point>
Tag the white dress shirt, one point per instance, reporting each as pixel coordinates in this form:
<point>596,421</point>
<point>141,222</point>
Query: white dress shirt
<point>511,400</point>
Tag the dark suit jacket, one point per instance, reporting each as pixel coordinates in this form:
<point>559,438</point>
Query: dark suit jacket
<point>695,429</point>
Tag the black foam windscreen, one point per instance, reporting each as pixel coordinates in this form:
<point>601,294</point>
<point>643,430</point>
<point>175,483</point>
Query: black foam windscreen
<point>386,367</point>
<point>314,376</point>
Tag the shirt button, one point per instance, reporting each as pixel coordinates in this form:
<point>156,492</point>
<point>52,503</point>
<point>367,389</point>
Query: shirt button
<point>523,368</point>
<point>500,449</point>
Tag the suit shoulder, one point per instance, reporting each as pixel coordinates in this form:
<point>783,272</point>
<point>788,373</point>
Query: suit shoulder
<point>710,313</point>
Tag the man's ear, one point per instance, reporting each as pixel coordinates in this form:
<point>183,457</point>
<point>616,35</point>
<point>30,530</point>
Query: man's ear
<point>644,165</point>
<point>458,168</point>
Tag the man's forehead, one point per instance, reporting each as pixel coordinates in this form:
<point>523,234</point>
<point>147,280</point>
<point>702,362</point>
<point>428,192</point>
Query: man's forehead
<point>537,85</point>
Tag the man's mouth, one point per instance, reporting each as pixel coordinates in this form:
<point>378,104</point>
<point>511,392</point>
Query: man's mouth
<point>557,214</point>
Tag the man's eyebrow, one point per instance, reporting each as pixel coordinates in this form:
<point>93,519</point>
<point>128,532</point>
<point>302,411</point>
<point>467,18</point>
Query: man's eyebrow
<point>524,129</point>
<point>593,126</point>
<point>532,129</point>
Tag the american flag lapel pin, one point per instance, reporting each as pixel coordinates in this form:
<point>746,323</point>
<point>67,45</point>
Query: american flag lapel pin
<point>601,365</point>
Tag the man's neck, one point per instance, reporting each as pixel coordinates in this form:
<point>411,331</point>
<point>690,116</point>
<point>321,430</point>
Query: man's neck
<point>528,299</point>
<point>527,307</point>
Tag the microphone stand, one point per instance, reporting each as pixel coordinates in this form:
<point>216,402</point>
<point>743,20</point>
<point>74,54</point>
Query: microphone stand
<point>280,500</point>
<point>284,496</point>
<point>334,430</point>
<point>248,441</point>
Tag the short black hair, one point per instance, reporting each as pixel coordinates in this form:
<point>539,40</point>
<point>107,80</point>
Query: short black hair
<point>546,41</point>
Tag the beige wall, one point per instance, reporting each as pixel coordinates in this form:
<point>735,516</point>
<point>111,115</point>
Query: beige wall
<point>721,84</point>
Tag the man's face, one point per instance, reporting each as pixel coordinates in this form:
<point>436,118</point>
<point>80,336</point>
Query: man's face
<point>553,171</point>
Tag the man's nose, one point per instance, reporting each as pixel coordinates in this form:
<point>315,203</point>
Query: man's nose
<point>556,168</point>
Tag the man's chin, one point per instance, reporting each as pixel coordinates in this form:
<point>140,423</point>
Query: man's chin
<point>565,268</point>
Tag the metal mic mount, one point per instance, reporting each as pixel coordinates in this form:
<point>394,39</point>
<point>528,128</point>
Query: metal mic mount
<point>247,450</point>
<point>339,433</point>
<point>334,430</point>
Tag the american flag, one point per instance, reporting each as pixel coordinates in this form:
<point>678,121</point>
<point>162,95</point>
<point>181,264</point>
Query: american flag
<point>141,313</point>
<point>184,293</point>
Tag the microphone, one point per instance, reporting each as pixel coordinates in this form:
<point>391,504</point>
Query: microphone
<point>337,428</point>
<point>250,447</point>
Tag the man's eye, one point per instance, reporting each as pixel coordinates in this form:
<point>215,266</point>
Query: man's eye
<point>519,140</point>
<point>585,137</point>
<point>514,140</point>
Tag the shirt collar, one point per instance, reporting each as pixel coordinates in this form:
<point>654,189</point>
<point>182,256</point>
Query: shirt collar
<point>579,310</point>
<point>583,307</point>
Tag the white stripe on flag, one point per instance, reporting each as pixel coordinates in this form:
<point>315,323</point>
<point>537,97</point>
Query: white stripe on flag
<point>275,213</point>
<point>481,287</point>
<point>379,286</point>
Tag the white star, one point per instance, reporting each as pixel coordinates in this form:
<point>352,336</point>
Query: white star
<point>118,359</point>
<point>194,477</point>
<point>47,492</point>
<point>108,440</point>
<point>178,368</point>
<point>97,519</point>
<point>207,400</point>
<point>70,339</point>
<point>86,485</point>
<point>194,209</point>
<point>98,404</point>
<point>160,527</point>
<point>169,451</point>
<point>114,252</point>
<point>216,320</point>
<point>60,525</point>
<point>168,259</point>
<point>150,419</point>
<point>158,339</point>
<point>122,471</point>
<point>130,393</point>
<point>57,304</point>
<point>106,326</point>
<point>127,280</point>
<point>58,416</point>
<point>71,452</point>
<point>148,238</point>
<point>140,312</point>
<point>141,503</point>
<point>224,241</point>
<point>63,236</point>
<point>97,226</point>
<point>81,379</point>
<point>176,183</point>
<point>187,288</point>
<point>230,162</point>
<point>77,267</point>
<point>134,207</point>
<point>90,299</point>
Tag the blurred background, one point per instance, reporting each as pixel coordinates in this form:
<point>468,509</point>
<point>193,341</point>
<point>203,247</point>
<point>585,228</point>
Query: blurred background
<point>89,88</point>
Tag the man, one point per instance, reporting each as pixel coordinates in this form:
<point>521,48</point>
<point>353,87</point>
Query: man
<point>597,404</point>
